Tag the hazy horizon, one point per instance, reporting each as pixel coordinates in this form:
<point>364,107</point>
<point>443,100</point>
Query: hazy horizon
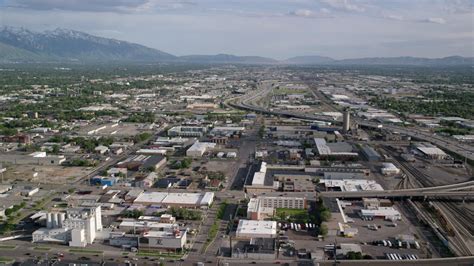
<point>277,29</point>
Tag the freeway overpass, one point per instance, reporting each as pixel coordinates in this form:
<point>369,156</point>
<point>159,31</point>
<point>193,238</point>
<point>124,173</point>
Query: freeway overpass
<point>398,194</point>
<point>465,151</point>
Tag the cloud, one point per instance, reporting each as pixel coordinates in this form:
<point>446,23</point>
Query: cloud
<point>306,13</point>
<point>302,13</point>
<point>98,5</point>
<point>434,20</point>
<point>346,5</point>
<point>394,17</point>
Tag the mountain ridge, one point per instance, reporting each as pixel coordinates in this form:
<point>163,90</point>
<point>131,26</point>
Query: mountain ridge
<point>24,45</point>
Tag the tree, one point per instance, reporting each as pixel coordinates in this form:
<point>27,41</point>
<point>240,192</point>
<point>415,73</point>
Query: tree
<point>323,229</point>
<point>55,149</point>
<point>325,215</point>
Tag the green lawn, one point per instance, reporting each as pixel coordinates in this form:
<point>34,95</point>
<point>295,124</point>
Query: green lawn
<point>296,215</point>
<point>4,260</point>
<point>42,248</point>
<point>157,254</point>
<point>7,246</point>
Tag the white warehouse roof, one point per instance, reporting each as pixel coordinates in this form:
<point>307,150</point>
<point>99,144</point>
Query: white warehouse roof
<point>252,229</point>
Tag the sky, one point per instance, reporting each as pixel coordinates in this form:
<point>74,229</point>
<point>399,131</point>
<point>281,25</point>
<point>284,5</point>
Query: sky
<point>272,28</point>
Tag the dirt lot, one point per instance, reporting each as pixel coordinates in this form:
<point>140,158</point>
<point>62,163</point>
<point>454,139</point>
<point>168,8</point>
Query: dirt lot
<point>46,174</point>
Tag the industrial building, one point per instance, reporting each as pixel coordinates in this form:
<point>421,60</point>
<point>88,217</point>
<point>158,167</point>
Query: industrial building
<point>256,229</point>
<point>430,151</point>
<point>370,154</point>
<point>346,122</point>
<point>76,226</point>
<point>143,162</point>
<point>325,149</point>
<point>389,169</point>
<point>35,158</point>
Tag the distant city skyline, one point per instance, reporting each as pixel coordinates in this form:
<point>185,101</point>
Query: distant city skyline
<point>272,28</point>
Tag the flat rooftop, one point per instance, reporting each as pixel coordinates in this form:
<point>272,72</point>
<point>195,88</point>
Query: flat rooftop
<point>249,227</point>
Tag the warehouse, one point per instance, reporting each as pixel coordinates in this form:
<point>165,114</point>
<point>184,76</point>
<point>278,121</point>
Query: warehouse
<point>389,169</point>
<point>182,200</point>
<point>325,149</point>
<point>370,154</point>
<point>256,229</point>
<point>227,131</point>
<point>199,148</point>
<point>431,151</point>
<point>187,131</point>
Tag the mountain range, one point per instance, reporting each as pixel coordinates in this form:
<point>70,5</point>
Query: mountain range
<point>23,45</point>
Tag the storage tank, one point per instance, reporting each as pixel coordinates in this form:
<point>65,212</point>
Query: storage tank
<point>346,121</point>
<point>54,220</point>
<point>61,218</point>
<point>49,220</point>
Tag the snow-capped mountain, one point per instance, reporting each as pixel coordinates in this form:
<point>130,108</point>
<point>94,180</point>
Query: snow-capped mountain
<point>66,44</point>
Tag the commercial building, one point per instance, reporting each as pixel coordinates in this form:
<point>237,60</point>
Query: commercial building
<point>260,182</point>
<point>187,131</point>
<point>163,240</point>
<point>387,213</point>
<point>183,200</point>
<point>264,207</point>
<point>134,226</point>
<point>255,249</point>
<point>295,183</point>
<point>350,185</point>
<point>256,229</point>
<point>199,148</point>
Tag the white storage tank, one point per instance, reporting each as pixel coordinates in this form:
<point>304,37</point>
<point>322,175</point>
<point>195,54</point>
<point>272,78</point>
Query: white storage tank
<point>55,220</point>
<point>49,220</point>
<point>61,218</point>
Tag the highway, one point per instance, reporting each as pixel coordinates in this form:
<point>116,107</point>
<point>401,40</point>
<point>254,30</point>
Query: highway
<point>245,103</point>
